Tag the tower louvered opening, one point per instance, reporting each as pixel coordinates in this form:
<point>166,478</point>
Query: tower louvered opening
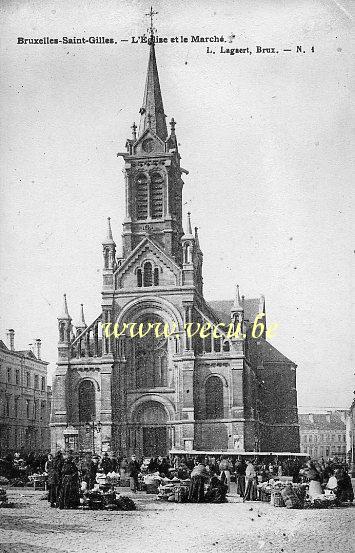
<point>142,197</point>
<point>157,195</point>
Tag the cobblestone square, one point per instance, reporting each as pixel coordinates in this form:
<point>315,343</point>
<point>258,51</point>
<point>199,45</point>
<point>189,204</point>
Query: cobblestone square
<point>159,527</point>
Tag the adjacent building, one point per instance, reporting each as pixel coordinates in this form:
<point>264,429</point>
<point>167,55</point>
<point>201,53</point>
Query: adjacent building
<point>324,435</point>
<point>25,399</point>
<point>154,393</point>
<point>351,437</point>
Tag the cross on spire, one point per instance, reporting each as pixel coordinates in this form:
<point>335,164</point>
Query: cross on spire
<point>150,14</point>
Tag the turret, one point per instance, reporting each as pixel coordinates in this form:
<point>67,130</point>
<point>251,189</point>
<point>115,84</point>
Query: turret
<point>109,247</point>
<point>237,311</point>
<point>109,257</point>
<point>188,242</point>
<point>263,312</point>
<point>198,260</point>
<point>81,326</point>
<point>65,329</point>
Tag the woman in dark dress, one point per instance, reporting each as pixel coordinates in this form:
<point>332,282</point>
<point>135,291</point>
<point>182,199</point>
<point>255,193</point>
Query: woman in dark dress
<point>69,495</point>
<point>199,476</point>
<point>345,490</point>
<point>217,491</point>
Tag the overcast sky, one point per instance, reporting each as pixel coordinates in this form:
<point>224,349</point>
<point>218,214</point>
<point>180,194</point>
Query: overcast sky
<point>266,139</point>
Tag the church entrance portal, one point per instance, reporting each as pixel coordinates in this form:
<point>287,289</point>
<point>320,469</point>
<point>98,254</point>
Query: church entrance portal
<point>152,418</point>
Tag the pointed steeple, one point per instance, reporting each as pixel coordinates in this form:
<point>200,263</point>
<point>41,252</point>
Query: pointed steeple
<point>237,305</point>
<point>152,110</point>
<point>65,312</point>
<point>82,323</point>
<point>188,233</point>
<point>109,238</point>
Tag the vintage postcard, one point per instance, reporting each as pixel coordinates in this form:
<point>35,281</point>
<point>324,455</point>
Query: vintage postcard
<point>176,276</point>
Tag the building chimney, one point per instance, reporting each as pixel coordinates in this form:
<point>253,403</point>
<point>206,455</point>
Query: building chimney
<point>38,348</point>
<point>11,339</point>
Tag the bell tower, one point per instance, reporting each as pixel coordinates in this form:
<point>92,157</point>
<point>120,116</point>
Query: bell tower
<point>153,174</point>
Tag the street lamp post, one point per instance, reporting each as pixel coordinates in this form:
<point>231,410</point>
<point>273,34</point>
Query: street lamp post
<point>93,426</point>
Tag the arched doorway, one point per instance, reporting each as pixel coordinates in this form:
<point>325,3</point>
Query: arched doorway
<point>152,418</point>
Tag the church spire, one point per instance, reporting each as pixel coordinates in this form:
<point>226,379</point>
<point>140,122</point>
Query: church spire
<point>65,313</point>
<point>152,110</point>
<point>82,322</point>
<point>237,305</point>
<point>109,238</point>
<point>188,233</point>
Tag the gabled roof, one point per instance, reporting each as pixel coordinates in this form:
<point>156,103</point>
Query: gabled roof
<point>134,255</point>
<point>26,353</point>
<point>321,421</point>
<point>270,354</point>
<point>222,308</point>
<point>3,346</point>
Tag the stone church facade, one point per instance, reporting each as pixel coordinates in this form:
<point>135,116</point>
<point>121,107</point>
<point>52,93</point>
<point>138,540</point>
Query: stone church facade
<point>153,394</point>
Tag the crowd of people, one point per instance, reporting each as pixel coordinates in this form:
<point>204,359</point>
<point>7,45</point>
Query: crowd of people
<point>210,477</point>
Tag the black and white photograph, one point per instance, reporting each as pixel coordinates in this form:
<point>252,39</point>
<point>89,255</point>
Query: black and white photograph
<point>176,276</point>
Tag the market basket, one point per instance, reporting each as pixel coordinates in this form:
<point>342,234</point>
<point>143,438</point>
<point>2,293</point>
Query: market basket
<point>276,499</point>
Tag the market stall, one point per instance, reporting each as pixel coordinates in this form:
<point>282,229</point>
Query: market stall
<point>174,490</point>
<point>38,480</point>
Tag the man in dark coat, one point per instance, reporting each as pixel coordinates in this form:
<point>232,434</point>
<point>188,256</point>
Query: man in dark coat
<point>93,468</point>
<point>106,464</point>
<point>133,471</point>
<point>240,476</point>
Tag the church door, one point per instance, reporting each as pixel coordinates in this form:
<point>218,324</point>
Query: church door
<point>152,417</point>
<point>154,441</point>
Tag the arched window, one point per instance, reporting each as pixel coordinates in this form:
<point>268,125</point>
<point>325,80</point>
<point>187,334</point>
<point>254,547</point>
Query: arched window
<point>150,356</point>
<point>188,253</point>
<point>62,332</point>
<point>214,398</point>
<point>106,257</point>
<point>156,195</point>
<point>148,276</point>
<point>87,410</point>
<point>226,346</point>
<point>217,344</point>
<point>142,196</point>
<point>139,278</point>
<point>156,276</point>
<point>163,370</point>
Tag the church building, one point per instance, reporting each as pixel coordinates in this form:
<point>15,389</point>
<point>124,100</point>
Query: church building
<point>156,393</point>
